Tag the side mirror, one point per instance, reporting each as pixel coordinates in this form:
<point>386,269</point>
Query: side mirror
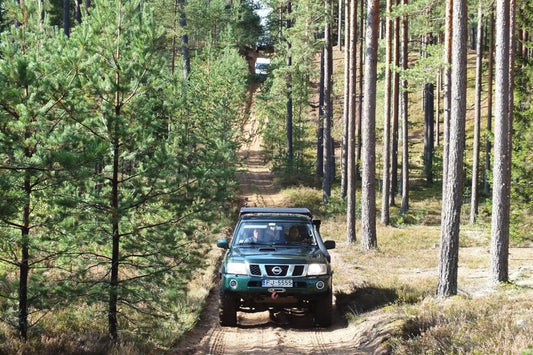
<point>329,244</point>
<point>223,243</point>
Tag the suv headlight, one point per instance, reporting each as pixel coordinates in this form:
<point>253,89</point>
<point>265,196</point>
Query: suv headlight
<point>236,268</point>
<point>317,269</point>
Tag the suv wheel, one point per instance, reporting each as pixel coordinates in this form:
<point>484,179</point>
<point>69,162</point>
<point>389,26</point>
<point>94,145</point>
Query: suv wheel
<point>227,311</point>
<point>322,309</point>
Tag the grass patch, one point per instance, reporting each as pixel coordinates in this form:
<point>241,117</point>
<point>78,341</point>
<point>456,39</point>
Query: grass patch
<point>466,326</point>
<point>80,328</point>
<point>401,275</point>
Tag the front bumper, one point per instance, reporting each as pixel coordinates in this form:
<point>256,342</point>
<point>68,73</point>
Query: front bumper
<point>302,287</point>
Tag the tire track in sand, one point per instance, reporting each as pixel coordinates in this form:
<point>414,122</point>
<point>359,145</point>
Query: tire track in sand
<point>216,346</point>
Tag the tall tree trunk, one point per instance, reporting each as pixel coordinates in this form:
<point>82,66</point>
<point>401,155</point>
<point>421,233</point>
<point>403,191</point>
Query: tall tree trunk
<point>24,268</point>
<point>351,163</point>
<point>24,265</point>
<point>512,41</point>
<point>327,104</point>
<point>361,57</point>
<point>77,11</point>
<point>437,111</point>
<point>395,113</point>
<point>174,38</point>
<point>87,6</point>
<point>66,17</point>
<point>115,249</point>
<point>453,195</point>
<point>501,191</point>
<point>339,25</point>
<point>429,118</point>
<point>405,119</point>
<point>429,131</point>
<point>385,187</point>
<point>320,133</point>
<point>114,208</point>
<point>184,39</point>
<point>346,93</point>
<point>477,117</point>
<point>490,76</point>
<point>368,184</point>
<point>289,93</point>
<point>447,90</point>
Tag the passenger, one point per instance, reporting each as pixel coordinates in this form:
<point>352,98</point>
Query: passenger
<point>294,234</point>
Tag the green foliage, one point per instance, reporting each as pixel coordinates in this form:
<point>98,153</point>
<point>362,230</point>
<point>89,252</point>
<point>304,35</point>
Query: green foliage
<point>424,69</point>
<point>31,88</point>
<point>166,163</point>
<point>304,197</point>
<point>101,143</point>
<point>522,155</point>
<point>3,16</point>
<point>409,218</point>
<point>312,198</point>
<point>209,20</point>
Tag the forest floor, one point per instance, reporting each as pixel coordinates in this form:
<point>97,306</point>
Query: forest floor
<point>370,330</point>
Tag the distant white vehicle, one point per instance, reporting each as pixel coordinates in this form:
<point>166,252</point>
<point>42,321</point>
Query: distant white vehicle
<point>262,65</point>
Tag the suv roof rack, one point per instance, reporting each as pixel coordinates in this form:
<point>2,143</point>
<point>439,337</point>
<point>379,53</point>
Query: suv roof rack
<point>275,210</point>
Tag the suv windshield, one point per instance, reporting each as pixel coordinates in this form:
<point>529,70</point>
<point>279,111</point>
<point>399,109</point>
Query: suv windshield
<point>268,232</point>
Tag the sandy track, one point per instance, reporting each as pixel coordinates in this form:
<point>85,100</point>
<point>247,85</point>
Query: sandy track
<point>288,333</point>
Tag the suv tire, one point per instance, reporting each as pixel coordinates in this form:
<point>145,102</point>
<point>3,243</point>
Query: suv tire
<point>227,310</point>
<point>322,310</point>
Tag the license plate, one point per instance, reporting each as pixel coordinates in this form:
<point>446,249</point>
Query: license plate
<point>277,283</point>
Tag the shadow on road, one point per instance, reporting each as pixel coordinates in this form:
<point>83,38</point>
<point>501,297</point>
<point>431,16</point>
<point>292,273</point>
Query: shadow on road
<point>365,299</point>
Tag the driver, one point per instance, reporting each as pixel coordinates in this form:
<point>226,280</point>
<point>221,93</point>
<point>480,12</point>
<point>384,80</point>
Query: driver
<point>255,237</point>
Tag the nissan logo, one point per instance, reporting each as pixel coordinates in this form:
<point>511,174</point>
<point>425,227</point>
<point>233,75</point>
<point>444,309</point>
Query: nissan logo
<point>276,270</point>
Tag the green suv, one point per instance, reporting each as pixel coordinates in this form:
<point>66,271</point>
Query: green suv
<point>276,260</point>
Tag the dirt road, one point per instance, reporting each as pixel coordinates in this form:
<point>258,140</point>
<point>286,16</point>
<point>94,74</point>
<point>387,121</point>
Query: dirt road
<point>293,334</point>
<point>288,333</point>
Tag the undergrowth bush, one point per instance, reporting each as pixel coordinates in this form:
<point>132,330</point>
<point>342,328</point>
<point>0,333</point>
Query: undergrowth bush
<point>466,326</point>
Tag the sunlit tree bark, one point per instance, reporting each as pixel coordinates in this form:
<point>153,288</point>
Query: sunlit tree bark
<point>453,192</point>
<point>477,118</point>
<point>405,116</point>
<point>351,163</point>
<point>368,123</point>
<point>385,190</point>
<point>501,195</point>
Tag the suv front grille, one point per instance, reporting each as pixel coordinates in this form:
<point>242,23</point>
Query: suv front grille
<point>255,270</point>
<point>276,270</point>
<point>283,270</point>
<point>298,270</point>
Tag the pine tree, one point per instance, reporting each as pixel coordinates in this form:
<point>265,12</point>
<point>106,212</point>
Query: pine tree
<point>351,94</point>
<point>453,188</point>
<point>31,142</point>
<point>160,161</point>
<point>368,122</point>
<point>501,195</point>
<point>385,190</point>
